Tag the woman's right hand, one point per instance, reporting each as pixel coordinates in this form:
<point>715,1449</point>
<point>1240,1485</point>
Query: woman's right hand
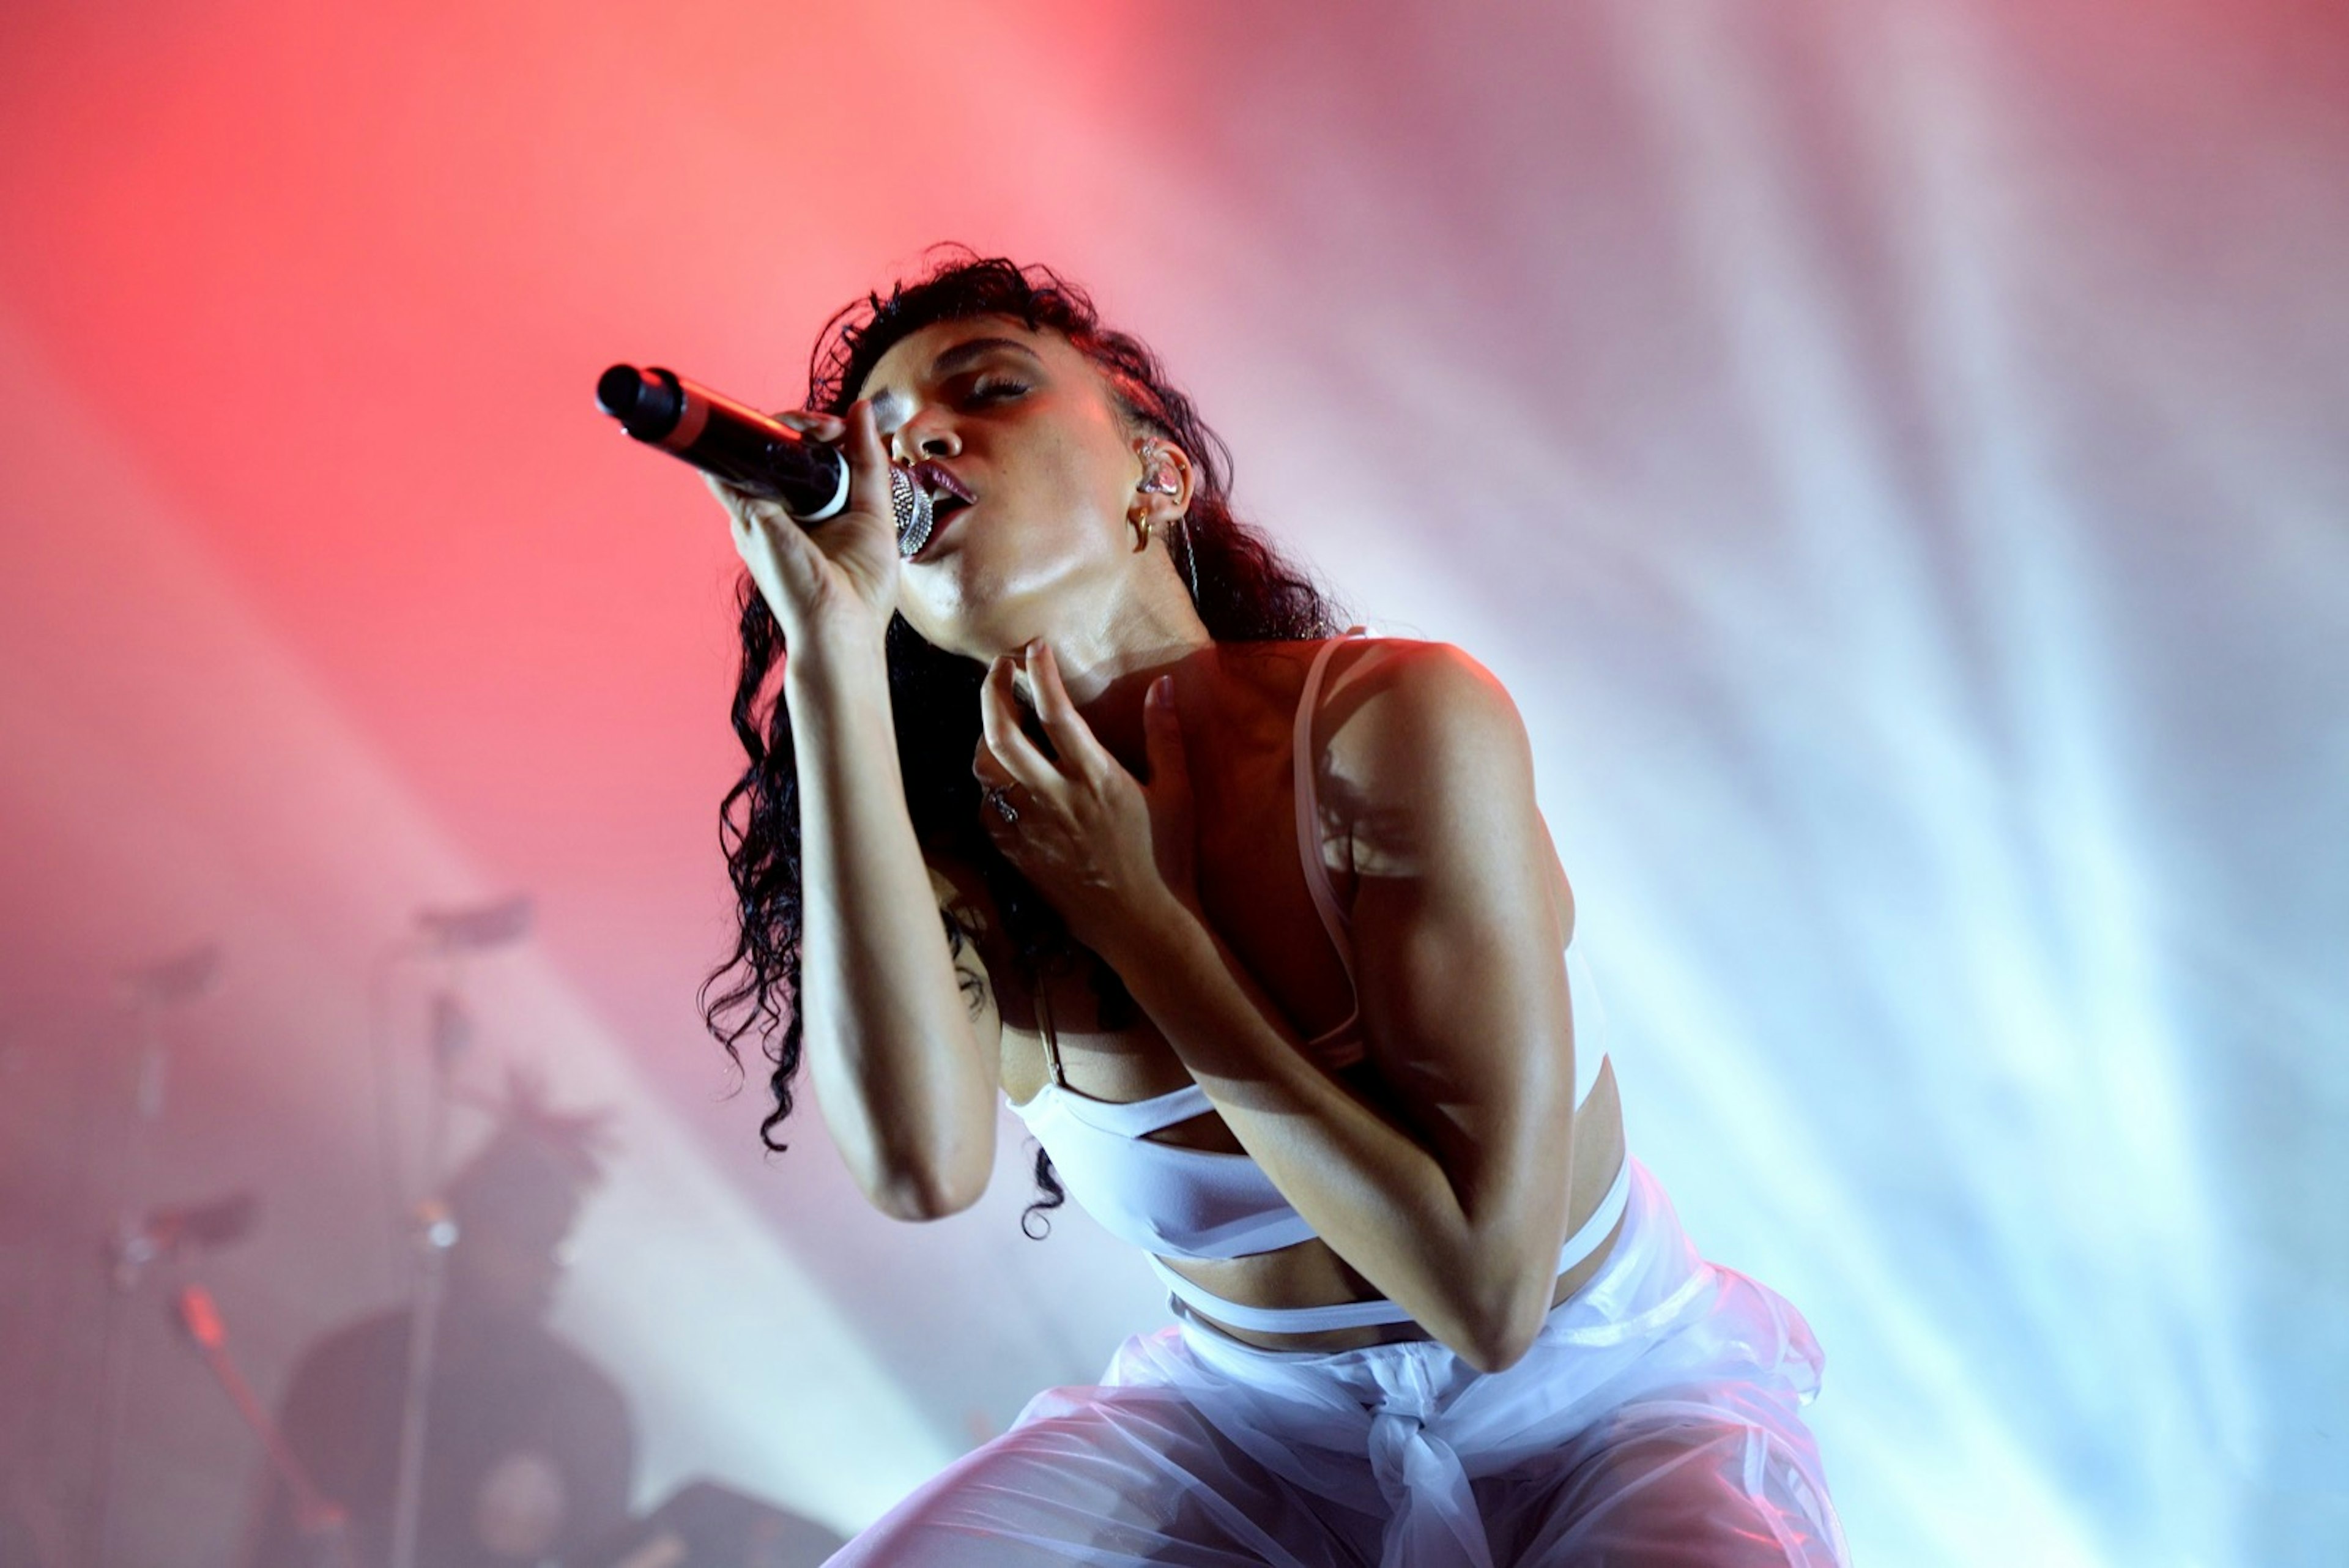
<point>837,582</point>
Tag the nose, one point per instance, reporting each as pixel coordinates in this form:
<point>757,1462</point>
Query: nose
<point>929,433</point>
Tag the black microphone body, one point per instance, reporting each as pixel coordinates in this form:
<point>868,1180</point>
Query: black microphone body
<point>718,435</point>
<point>748,450</point>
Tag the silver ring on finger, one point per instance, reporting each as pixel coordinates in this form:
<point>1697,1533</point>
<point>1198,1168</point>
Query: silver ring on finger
<point>998,799</point>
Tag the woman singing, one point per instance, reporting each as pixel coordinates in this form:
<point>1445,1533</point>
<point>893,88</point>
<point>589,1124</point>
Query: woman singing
<point>1259,930</point>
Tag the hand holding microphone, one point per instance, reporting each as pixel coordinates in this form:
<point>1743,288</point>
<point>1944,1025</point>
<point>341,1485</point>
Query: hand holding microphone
<point>821,517</point>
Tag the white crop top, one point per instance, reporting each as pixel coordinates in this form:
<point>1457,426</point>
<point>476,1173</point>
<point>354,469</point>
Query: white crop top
<point>1176,1202</point>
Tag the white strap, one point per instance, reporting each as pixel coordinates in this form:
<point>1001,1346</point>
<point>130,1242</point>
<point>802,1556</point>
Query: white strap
<point>1371,1313</point>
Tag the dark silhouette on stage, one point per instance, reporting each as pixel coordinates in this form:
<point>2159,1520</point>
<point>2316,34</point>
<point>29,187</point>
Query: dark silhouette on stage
<point>529,1446</point>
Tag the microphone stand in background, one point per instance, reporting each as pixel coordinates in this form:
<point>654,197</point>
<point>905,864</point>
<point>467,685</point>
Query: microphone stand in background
<point>150,993</point>
<point>436,1233</point>
<point>449,935</point>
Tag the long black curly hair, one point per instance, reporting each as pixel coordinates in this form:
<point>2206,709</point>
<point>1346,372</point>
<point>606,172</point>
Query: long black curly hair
<point>1245,592</point>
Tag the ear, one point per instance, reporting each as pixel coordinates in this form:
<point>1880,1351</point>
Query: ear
<point>1163,492</point>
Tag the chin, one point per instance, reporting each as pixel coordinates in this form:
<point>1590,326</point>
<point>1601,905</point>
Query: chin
<point>977,604</point>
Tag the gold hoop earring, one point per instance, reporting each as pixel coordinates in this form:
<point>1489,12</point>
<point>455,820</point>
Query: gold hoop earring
<point>1141,523</point>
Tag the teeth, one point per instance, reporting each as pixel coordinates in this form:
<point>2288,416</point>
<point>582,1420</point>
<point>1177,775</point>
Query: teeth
<point>943,491</point>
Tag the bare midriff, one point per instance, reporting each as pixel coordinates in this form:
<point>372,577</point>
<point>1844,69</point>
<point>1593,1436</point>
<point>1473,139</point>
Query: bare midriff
<point>1311,1273</point>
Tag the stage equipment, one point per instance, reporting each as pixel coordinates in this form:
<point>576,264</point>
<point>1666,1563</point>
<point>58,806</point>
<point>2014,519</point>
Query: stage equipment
<point>163,1234</point>
<point>322,1521</point>
<point>476,928</point>
<point>449,935</point>
<point>183,976</point>
<point>149,992</point>
<point>749,451</point>
<point>436,1233</point>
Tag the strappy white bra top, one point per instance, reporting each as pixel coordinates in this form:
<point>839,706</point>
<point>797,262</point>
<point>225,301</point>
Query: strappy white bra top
<point>1176,1202</point>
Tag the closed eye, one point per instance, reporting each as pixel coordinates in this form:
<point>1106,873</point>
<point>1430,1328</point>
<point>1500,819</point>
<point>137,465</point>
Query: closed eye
<point>996,388</point>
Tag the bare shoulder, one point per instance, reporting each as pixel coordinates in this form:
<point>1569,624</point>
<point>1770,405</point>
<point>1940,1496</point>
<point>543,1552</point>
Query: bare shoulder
<point>1394,702</point>
<point>1427,777</point>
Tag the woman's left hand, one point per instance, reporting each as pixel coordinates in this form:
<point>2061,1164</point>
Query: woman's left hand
<point>1112,854</point>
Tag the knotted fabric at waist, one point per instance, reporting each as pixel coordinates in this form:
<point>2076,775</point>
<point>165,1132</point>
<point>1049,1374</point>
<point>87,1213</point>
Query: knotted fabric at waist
<point>1429,1424</point>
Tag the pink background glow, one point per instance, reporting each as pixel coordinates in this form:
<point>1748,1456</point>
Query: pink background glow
<point>1895,455</point>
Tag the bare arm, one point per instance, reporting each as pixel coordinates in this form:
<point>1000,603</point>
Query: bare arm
<point>904,1072</point>
<point>1457,1216</point>
<point>905,1068</point>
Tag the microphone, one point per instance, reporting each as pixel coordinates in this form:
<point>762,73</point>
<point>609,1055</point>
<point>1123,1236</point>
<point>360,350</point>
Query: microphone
<point>475,928</point>
<point>163,1233</point>
<point>761,456</point>
<point>180,978</point>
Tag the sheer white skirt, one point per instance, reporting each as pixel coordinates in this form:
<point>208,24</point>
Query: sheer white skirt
<point>1655,1421</point>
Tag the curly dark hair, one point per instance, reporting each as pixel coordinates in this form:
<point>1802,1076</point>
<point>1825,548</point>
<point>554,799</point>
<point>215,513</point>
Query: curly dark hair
<point>1245,591</point>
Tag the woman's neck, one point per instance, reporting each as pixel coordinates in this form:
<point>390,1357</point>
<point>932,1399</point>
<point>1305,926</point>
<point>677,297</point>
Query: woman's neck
<point>1108,664</point>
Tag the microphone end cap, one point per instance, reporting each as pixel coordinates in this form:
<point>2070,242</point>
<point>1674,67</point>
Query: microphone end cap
<point>647,403</point>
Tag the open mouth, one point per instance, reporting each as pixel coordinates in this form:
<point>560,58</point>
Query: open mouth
<point>947,494</point>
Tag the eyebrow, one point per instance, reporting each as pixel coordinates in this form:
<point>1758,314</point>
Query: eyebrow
<point>963,355</point>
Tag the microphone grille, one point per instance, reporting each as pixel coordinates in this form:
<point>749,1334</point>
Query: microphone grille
<point>911,506</point>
